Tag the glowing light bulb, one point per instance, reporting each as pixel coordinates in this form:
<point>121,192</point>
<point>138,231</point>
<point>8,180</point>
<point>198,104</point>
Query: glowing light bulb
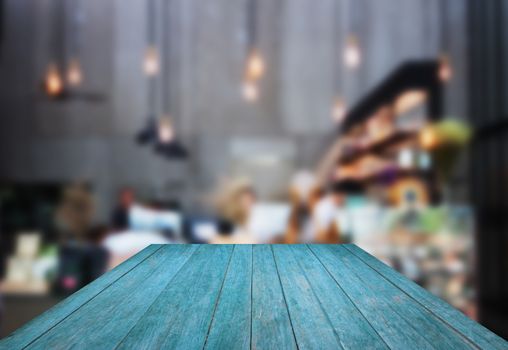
<point>53,82</point>
<point>428,138</point>
<point>151,61</point>
<point>255,66</point>
<point>165,131</point>
<point>445,69</point>
<point>250,91</point>
<point>339,110</point>
<point>352,55</point>
<point>74,73</point>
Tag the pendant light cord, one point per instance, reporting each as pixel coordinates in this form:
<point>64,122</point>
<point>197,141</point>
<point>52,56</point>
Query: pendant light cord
<point>58,34</point>
<point>252,8</point>
<point>151,30</point>
<point>166,59</point>
<point>337,56</point>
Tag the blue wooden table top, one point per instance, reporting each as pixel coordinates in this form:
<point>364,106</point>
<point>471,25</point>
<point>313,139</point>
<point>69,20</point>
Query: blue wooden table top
<point>245,296</point>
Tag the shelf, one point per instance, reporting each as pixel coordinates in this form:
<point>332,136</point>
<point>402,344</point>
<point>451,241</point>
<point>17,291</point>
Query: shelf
<point>396,173</point>
<point>378,146</point>
<point>422,75</point>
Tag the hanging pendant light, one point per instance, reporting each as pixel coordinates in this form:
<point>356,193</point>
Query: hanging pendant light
<point>352,54</point>
<point>74,73</point>
<point>445,69</point>
<point>151,64</point>
<point>53,83</point>
<point>250,90</point>
<point>255,67</point>
<point>339,110</point>
<point>254,64</point>
<point>159,132</point>
<point>165,130</point>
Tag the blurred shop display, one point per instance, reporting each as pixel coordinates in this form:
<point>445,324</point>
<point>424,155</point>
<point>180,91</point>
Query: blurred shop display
<point>26,208</point>
<point>29,269</point>
<point>397,145</point>
<point>431,245</point>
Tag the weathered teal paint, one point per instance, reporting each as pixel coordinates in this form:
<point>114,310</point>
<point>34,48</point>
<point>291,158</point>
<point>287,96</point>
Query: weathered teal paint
<point>260,297</point>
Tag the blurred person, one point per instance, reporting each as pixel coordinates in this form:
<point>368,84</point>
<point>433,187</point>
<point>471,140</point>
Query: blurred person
<point>234,201</point>
<point>75,213</point>
<point>332,217</point>
<point>304,195</point>
<point>325,230</point>
<point>80,264</point>
<point>228,234</point>
<point>120,215</point>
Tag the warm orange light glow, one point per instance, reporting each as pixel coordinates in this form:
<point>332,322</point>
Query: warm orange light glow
<point>255,66</point>
<point>409,100</point>
<point>445,69</point>
<point>428,138</point>
<point>165,131</point>
<point>74,73</point>
<point>250,91</point>
<point>151,61</point>
<point>339,110</point>
<point>352,55</point>
<point>53,82</point>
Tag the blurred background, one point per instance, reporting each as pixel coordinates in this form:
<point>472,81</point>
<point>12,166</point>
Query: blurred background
<point>125,123</point>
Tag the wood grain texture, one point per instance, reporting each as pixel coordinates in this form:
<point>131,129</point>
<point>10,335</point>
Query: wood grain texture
<point>271,325</point>
<point>181,316</point>
<point>353,329</point>
<point>231,325</point>
<point>311,324</point>
<point>436,332</point>
<point>258,297</point>
<point>442,310</point>
<point>134,294</point>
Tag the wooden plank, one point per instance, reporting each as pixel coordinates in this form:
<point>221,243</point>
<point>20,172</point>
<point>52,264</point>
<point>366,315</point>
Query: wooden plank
<point>353,329</point>
<point>104,321</point>
<point>311,325</point>
<point>271,326</point>
<point>436,332</point>
<point>478,334</point>
<point>394,330</point>
<point>41,324</point>
<point>180,317</point>
<point>231,324</point>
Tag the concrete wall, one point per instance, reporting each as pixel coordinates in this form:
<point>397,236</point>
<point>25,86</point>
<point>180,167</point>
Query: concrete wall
<point>301,41</point>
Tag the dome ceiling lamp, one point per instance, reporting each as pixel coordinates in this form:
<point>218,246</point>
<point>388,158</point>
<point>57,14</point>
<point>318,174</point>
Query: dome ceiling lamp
<point>254,64</point>
<point>167,143</point>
